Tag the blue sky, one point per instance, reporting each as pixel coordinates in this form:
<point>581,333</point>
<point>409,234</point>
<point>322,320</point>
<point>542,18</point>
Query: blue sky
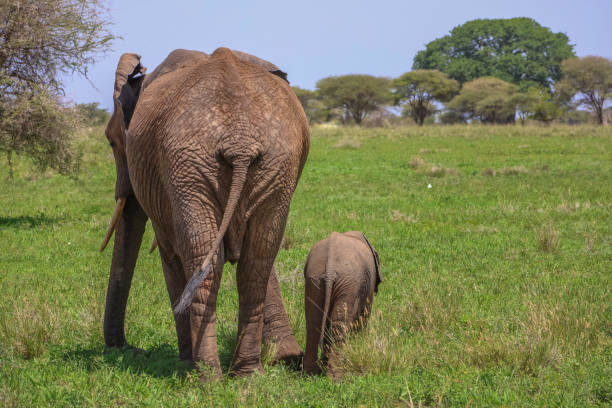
<point>311,40</point>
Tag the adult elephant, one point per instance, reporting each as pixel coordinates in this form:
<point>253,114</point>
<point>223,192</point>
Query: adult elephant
<point>209,148</point>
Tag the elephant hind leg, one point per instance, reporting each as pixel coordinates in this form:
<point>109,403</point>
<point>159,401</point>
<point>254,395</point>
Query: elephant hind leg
<point>175,282</point>
<point>260,246</point>
<point>314,319</point>
<point>277,330</point>
<point>196,239</point>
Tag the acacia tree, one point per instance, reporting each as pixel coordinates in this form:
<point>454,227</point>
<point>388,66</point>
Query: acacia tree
<point>517,50</point>
<point>316,111</point>
<point>39,41</point>
<point>536,104</point>
<point>419,89</point>
<point>487,99</point>
<point>590,79</point>
<point>357,95</point>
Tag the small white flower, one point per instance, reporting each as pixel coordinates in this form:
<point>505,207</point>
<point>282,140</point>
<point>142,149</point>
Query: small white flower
<point>429,186</point>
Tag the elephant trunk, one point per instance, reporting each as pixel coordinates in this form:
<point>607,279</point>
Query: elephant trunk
<point>130,229</point>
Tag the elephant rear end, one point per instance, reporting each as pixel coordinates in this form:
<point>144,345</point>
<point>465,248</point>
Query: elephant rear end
<point>342,273</point>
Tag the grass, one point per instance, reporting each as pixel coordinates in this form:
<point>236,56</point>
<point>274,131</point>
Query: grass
<point>496,280</point>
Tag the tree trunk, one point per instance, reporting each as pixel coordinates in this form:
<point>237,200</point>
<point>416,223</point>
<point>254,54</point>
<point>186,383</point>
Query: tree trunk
<point>601,117</point>
<point>10,163</point>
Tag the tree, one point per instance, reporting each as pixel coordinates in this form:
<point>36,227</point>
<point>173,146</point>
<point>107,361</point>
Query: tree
<point>304,95</point>
<point>590,80</point>
<point>92,114</point>
<point>487,99</point>
<point>517,50</point>
<point>536,104</point>
<point>39,41</point>
<point>419,89</point>
<point>357,95</point>
<point>316,111</point>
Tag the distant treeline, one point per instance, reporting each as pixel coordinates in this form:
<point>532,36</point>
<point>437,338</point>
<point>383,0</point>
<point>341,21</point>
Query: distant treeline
<point>490,71</point>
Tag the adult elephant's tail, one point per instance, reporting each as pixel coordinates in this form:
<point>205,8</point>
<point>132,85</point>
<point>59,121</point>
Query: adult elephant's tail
<point>238,181</point>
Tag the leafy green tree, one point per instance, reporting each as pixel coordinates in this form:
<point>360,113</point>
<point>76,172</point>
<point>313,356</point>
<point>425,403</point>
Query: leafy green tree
<point>536,104</point>
<point>588,79</point>
<point>356,95</point>
<point>316,111</point>
<point>39,41</point>
<point>418,90</point>
<point>517,50</point>
<point>304,95</point>
<point>92,114</point>
<point>487,99</point>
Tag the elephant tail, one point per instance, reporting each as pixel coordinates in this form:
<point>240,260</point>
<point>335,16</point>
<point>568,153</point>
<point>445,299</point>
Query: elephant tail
<point>329,283</point>
<point>238,180</point>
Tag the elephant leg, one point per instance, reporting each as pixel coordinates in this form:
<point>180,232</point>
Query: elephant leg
<point>175,282</point>
<point>128,238</point>
<point>195,230</point>
<point>341,318</point>
<point>203,315</point>
<point>314,318</point>
<point>261,243</point>
<point>277,329</point>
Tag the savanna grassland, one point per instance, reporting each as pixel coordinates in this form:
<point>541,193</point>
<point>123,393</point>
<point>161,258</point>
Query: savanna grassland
<point>497,279</point>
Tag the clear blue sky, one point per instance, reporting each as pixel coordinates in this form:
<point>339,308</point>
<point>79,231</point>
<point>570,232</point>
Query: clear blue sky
<point>314,39</point>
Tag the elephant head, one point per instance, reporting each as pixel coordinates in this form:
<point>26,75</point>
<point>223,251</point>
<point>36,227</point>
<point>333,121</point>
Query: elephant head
<point>128,218</point>
<point>128,81</point>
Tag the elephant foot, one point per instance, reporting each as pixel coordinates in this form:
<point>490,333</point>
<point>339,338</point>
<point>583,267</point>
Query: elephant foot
<point>126,348</point>
<point>186,355</point>
<point>311,368</point>
<point>243,370</point>
<point>289,352</point>
<point>208,372</point>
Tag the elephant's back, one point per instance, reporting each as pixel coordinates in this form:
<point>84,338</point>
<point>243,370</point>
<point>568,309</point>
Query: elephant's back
<point>218,101</point>
<point>221,96</point>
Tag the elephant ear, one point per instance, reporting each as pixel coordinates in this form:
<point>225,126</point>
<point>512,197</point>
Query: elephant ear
<point>128,81</point>
<point>376,263</point>
<point>268,66</point>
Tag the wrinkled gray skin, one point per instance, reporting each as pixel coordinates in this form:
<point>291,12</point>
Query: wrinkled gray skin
<point>342,274</point>
<point>210,149</point>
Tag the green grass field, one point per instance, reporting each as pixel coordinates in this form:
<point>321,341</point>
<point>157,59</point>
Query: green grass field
<point>497,280</point>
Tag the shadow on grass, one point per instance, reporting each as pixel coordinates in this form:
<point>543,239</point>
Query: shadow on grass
<point>160,361</point>
<point>28,221</point>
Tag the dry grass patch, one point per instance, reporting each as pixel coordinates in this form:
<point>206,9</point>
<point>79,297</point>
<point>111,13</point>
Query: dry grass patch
<point>29,328</point>
<point>548,238</point>
<point>513,171</point>
<point>417,162</point>
<point>505,171</point>
<point>434,170</point>
<point>550,333</point>
<point>348,143</point>
<point>589,242</point>
<point>482,229</point>
<point>397,215</point>
<point>440,171</point>
<point>425,151</point>
<point>572,207</point>
<point>373,350</point>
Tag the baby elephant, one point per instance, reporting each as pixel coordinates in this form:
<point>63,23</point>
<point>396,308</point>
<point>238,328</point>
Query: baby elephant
<point>342,273</point>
